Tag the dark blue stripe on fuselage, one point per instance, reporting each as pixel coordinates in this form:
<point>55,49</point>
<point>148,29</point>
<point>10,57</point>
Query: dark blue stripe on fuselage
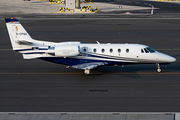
<point>73,61</point>
<point>42,49</point>
<point>23,50</point>
<point>35,53</point>
<point>111,57</point>
<point>96,55</point>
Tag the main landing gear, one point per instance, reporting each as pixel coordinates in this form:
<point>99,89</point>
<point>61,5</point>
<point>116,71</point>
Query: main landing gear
<point>159,69</point>
<point>86,72</point>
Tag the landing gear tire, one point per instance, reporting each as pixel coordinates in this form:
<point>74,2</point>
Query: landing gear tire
<point>86,72</point>
<point>159,69</point>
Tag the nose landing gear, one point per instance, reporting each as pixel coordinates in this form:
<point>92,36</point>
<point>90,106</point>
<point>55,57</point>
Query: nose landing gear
<point>159,69</point>
<point>86,72</point>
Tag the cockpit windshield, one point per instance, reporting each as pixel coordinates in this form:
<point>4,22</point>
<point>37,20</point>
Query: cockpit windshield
<point>147,50</point>
<point>150,50</point>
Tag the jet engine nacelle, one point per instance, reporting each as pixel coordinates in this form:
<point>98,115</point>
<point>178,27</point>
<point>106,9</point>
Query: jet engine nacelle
<point>67,51</point>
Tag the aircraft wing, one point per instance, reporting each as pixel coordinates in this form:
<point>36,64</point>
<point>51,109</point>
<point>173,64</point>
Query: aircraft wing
<point>89,65</point>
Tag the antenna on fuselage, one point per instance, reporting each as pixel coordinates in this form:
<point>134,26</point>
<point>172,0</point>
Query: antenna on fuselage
<point>97,42</point>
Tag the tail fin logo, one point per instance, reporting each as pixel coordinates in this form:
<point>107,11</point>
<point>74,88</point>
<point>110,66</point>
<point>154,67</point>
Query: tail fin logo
<point>16,29</point>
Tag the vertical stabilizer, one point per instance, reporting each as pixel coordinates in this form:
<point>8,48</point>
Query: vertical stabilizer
<point>17,33</point>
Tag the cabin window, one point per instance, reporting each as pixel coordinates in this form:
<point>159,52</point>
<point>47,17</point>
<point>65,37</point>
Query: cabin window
<point>102,50</point>
<point>94,50</point>
<point>142,51</point>
<point>127,50</point>
<point>84,50</point>
<point>119,50</point>
<point>111,50</point>
<point>146,50</point>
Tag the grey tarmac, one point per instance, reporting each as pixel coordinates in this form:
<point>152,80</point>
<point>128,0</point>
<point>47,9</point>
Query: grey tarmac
<point>40,86</point>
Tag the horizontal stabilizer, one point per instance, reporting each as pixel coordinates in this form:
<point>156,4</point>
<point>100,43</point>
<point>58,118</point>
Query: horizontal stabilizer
<point>23,42</point>
<point>30,56</point>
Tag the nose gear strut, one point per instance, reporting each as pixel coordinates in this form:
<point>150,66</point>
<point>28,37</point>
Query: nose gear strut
<point>159,69</point>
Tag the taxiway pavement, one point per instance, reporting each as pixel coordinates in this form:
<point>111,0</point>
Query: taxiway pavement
<point>35,85</point>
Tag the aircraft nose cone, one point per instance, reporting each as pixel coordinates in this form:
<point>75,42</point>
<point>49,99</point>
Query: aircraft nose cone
<point>171,59</point>
<point>165,58</point>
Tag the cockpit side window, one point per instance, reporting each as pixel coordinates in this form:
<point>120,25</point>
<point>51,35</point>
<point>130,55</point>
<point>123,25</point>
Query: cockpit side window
<point>150,50</point>
<point>146,50</point>
<point>142,51</point>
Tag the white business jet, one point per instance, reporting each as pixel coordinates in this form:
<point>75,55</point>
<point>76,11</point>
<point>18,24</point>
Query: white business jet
<point>82,56</point>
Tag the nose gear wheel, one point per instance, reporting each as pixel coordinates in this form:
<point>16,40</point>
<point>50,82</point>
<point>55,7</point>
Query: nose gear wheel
<point>159,69</point>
